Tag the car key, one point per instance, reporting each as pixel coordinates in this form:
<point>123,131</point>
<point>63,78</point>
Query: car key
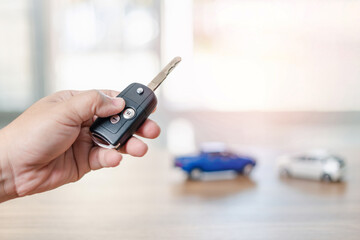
<point>140,101</point>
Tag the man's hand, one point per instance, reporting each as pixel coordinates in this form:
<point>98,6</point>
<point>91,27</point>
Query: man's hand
<point>49,145</point>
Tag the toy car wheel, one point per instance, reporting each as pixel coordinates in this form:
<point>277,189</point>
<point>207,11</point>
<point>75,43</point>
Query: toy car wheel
<point>326,178</point>
<point>247,169</point>
<point>284,172</point>
<point>195,174</point>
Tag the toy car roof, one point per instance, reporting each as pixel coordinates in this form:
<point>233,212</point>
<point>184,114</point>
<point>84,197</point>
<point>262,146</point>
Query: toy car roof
<point>317,153</point>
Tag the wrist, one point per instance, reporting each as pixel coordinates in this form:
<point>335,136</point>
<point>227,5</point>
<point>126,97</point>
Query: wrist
<point>7,184</point>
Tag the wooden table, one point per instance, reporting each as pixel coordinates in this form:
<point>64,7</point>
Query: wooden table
<point>148,199</point>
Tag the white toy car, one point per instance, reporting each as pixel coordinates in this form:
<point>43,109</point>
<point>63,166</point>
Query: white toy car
<point>313,165</point>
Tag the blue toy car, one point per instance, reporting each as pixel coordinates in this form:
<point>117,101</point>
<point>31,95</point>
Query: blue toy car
<point>214,161</point>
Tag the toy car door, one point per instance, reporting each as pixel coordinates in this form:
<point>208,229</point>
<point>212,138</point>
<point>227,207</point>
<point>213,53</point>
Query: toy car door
<point>227,161</point>
<point>212,162</point>
<point>314,168</point>
<point>305,167</point>
<point>299,166</point>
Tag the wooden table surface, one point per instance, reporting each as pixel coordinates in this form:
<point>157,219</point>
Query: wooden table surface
<point>148,199</point>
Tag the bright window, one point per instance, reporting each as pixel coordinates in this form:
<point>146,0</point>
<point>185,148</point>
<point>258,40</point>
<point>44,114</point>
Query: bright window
<point>264,55</point>
<point>104,44</point>
<point>15,56</point>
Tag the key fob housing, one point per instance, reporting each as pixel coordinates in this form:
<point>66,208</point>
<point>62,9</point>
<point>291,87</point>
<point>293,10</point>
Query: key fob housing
<point>114,131</point>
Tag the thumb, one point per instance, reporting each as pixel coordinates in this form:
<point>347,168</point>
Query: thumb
<point>85,105</point>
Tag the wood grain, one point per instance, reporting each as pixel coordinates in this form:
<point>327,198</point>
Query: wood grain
<point>147,198</point>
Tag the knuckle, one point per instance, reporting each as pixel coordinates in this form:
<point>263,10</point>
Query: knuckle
<point>95,94</point>
<point>96,97</point>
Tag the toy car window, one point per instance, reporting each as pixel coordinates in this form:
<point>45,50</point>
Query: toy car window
<point>227,154</point>
<point>301,158</point>
<point>335,158</point>
<point>324,160</point>
<point>214,154</point>
<point>340,160</point>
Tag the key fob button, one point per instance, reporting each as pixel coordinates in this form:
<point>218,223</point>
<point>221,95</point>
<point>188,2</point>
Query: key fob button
<point>140,90</point>
<point>129,113</point>
<point>114,119</point>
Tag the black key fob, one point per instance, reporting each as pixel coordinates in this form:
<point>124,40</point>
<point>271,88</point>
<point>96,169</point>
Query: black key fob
<point>114,131</point>
<point>140,100</point>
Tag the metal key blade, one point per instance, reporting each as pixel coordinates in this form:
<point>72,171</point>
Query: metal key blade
<point>155,83</point>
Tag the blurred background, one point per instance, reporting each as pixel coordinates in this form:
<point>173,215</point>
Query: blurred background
<point>265,77</point>
<point>246,64</point>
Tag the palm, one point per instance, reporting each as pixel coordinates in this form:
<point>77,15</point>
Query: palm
<point>68,167</point>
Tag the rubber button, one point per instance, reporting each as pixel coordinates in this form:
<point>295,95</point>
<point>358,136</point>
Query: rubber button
<point>114,119</point>
<point>140,90</point>
<point>129,113</point>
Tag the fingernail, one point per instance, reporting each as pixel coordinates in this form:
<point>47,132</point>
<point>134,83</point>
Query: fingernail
<point>118,101</point>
